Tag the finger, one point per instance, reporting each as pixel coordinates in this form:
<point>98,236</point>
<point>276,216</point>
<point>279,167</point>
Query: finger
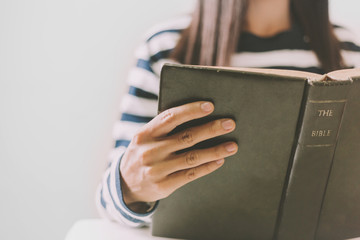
<point>166,121</point>
<point>196,158</point>
<point>179,179</point>
<point>194,135</point>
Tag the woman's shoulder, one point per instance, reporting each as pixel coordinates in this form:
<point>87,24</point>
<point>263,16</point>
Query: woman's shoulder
<point>349,44</point>
<point>172,26</point>
<point>159,41</point>
<point>346,35</point>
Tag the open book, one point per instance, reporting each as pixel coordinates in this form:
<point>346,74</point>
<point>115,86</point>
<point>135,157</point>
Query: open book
<point>296,174</point>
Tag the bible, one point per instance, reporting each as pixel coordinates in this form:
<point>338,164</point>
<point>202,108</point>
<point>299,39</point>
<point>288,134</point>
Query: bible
<point>296,174</point>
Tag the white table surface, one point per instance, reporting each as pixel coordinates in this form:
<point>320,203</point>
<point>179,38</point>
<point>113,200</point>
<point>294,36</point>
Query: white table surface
<point>102,229</point>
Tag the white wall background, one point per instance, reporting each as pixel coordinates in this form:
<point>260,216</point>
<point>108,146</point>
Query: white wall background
<point>62,70</point>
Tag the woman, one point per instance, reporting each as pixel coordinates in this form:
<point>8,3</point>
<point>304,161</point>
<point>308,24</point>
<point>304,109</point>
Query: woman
<point>248,33</point>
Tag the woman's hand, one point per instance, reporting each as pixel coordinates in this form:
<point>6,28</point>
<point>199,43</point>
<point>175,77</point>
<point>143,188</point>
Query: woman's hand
<point>151,169</point>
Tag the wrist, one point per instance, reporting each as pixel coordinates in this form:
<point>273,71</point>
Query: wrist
<point>131,202</point>
<point>135,205</point>
<point>127,197</point>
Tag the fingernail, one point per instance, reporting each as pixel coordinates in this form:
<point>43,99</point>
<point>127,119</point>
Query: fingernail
<point>228,124</point>
<point>220,161</point>
<point>207,107</point>
<point>230,147</point>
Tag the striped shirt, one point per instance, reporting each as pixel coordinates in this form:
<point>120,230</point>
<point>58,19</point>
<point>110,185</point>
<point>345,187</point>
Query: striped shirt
<point>286,50</point>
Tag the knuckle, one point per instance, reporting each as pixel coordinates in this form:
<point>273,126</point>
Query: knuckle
<point>191,174</point>
<point>145,157</point>
<point>139,137</point>
<point>167,116</point>
<point>143,161</point>
<point>214,127</point>
<point>150,172</point>
<point>209,168</point>
<point>191,158</point>
<point>217,153</point>
<point>186,137</point>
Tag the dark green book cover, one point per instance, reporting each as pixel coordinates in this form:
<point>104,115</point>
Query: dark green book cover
<point>247,198</point>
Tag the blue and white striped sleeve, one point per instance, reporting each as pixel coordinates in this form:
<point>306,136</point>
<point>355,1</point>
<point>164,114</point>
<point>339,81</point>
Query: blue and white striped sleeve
<point>138,106</point>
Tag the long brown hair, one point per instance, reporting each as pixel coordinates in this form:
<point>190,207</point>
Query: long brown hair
<point>213,34</point>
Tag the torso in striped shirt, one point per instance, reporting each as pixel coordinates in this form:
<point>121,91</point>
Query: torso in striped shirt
<point>286,50</point>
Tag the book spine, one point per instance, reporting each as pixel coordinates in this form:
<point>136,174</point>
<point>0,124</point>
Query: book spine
<point>313,154</point>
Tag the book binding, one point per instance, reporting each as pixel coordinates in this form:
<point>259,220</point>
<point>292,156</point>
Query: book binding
<point>313,157</point>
